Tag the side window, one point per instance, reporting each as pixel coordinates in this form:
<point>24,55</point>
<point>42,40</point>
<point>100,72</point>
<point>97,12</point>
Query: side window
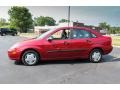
<point>76,33</point>
<point>61,34</point>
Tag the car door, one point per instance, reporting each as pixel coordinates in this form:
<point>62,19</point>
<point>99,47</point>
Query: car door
<point>56,45</point>
<point>79,43</point>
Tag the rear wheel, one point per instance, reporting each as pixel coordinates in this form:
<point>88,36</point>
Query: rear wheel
<point>2,34</point>
<point>95,56</point>
<point>13,34</point>
<point>30,58</point>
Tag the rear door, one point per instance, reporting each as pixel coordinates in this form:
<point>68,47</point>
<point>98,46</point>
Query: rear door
<point>79,43</point>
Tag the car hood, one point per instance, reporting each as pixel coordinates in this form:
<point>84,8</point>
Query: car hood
<point>28,42</point>
<point>25,43</point>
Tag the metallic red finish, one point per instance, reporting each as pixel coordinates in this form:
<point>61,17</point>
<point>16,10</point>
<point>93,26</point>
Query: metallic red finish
<point>62,49</point>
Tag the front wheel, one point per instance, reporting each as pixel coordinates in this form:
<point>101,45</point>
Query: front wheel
<point>95,56</point>
<point>30,58</point>
<point>1,34</point>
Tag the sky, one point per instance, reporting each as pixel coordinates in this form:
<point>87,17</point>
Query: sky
<point>90,15</point>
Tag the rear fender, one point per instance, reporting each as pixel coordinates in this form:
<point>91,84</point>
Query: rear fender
<point>97,47</point>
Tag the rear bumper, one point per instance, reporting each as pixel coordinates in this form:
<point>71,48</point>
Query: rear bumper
<point>108,50</point>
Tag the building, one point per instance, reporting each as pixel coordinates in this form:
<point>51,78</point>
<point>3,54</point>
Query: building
<point>42,29</point>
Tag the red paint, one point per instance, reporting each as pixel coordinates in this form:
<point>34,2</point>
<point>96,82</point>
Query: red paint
<point>62,49</point>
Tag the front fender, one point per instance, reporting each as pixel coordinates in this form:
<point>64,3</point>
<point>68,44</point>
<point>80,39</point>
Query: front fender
<point>36,48</point>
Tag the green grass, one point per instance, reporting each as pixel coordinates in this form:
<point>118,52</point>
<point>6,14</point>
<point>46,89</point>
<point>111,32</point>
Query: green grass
<point>116,40</point>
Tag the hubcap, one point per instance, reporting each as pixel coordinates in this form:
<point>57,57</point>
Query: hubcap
<point>30,58</point>
<point>96,56</point>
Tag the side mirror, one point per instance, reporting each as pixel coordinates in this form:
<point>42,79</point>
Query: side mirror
<point>50,39</point>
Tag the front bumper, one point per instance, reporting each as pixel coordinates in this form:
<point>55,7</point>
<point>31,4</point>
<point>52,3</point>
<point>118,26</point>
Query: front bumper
<point>14,54</point>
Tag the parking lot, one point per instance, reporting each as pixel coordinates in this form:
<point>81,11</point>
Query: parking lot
<point>75,71</point>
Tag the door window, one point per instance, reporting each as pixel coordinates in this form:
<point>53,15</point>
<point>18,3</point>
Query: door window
<point>61,34</point>
<point>76,33</point>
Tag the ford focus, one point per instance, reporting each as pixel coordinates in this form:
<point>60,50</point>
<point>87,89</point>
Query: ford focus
<point>65,43</point>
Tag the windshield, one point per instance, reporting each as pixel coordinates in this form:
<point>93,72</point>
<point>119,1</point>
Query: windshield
<point>44,34</point>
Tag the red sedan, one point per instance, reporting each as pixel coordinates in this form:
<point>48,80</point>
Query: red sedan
<point>62,43</point>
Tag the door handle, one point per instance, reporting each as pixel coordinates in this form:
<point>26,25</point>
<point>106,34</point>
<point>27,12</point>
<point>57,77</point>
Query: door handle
<point>88,41</point>
<point>58,48</point>
<point>66,43</point>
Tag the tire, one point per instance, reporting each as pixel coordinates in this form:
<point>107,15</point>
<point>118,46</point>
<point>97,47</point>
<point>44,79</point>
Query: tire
<point>95,55</point>
<point>30,58</point>
<point>13,34</point>
<point>1,34</point>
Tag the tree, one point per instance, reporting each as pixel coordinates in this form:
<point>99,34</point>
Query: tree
<point>20,18</point>
<point>42,21</point>
<point>105,26</point>
<point>63,20</point>
<point>49,21</point>
<point>3,22</point>
<point>115,30</point>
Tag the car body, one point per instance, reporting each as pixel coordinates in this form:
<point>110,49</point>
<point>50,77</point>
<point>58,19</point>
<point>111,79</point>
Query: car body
<point>6,31</point>
<point>80,42</point>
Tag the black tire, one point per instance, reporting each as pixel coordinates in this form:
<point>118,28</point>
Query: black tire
<point>1,34</point>
<point>13,34</point>
<point>27,62</point>
<point>97,58</point>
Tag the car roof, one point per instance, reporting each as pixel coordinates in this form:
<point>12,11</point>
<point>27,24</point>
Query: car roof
<point>81,28</point>
<point>75,27</point>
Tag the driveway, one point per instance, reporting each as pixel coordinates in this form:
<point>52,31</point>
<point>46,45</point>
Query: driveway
<point>75,71</point>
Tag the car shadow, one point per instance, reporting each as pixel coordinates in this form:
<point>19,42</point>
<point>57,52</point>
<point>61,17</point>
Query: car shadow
<point>72,62</point>
<point>109,58</point>
<point>106,58</point>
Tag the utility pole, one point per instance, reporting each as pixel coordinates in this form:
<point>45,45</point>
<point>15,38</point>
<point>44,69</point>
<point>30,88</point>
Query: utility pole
<point>68,16</point>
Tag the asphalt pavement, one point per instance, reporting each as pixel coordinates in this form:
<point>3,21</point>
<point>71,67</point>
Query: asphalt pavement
<point>60,72</point>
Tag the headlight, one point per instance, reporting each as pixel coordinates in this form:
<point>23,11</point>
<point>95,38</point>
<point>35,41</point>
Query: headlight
<point>13,50</point>
<point>14,47</point>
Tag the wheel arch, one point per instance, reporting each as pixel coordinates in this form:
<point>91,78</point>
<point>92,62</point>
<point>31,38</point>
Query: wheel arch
<point>102,51</point>
<point>30,49</point>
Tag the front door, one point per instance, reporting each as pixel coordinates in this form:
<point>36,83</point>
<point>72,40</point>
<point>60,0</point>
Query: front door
<point>57,47</point>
